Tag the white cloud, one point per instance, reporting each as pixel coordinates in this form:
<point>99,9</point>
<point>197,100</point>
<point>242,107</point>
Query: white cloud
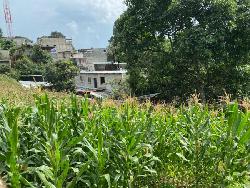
<point>88,22</point>
<point>73,27</point>
<point>106,10</point>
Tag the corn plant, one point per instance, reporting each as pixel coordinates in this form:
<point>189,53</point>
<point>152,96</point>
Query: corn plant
<point>81,143</point>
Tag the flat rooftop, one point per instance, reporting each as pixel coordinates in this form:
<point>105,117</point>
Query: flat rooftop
<point>104,72</point>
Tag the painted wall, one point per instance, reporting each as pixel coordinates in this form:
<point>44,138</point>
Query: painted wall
<point>86,80</point>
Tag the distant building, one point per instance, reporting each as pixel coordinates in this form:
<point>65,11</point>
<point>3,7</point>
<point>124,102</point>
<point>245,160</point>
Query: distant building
<point>81,61</point>
<point>85,58</point>
<point>60,48</point>
<point>19,41</point>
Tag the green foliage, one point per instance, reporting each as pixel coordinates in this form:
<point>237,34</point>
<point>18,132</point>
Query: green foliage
<point>25,66</point>
<point>27,60</point>
<point>40,56</point>
<point>6,44</point>
<point>1,32</point>
<point>83,144</point>
<point>56,34</point>
<point>120,89</point>
<point>179,47</point>
<point>62,75</point>
<point>4,69</point>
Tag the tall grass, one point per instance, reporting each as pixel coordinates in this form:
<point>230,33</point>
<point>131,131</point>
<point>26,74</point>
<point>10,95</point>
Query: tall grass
<point>94,144</point>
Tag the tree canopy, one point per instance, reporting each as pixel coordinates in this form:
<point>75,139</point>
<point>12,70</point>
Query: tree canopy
<point>56,34</point>
<point>62,75</point>
<point>184,46</point>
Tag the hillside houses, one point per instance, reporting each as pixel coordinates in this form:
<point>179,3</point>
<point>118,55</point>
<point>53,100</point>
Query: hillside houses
<point>96,73</point>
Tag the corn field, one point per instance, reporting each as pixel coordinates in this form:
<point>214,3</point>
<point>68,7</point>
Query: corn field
<point>83,143</point>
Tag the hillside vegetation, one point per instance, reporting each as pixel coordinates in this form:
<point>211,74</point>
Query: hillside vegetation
<point>49,143</point>
<point>13,93</point>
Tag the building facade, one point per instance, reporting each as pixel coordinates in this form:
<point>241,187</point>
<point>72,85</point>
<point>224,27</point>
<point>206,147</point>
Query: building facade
<point>96,72</point>
<point>60,48</point>
<point>99,80</point>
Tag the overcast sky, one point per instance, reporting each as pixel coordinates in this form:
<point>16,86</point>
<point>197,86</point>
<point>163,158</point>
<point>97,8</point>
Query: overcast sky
<point>88,22</point>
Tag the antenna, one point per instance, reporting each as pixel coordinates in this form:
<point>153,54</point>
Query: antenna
<point>8,18</point>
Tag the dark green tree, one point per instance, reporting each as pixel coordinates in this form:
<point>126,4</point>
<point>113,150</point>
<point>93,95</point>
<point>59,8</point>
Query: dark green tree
<point>1,32</point>
<point>39,56</point>
<point>4,69</point>
<point>25,66</point>
<point>56,34</point>
<point>62,75</point>
<point>181,47</point>
<point>6,44</point>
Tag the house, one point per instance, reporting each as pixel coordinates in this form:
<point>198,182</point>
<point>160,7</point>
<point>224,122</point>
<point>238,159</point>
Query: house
<point>96,72</point>
<point>85,58</point>
<point>99,80</point>
<point>81,61</point>
<point>19,41</point>
<point>59,47</point>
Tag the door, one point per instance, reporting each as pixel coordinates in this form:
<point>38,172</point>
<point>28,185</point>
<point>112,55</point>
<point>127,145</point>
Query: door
<point>95,82</point>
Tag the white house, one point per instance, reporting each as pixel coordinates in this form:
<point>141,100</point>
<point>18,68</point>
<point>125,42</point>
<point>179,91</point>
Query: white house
<point>99,80</point>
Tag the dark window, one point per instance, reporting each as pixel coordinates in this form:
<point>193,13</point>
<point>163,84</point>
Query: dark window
<point>89,80</point>
<point>81,78</point>
<point>102,80</point>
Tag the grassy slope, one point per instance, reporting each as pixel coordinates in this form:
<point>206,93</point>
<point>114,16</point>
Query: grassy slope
<point>14,93</point>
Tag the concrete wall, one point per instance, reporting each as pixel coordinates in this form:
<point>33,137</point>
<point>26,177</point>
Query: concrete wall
<point>22,41</point>
<point>61,44</point>
<point>5,57</point>
<point>95,54</point>
<point>4,54</point>
<point>83,80</point>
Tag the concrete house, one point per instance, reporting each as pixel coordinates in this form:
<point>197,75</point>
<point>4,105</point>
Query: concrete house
<point>96,72</point>
<point>19,41</point>
<point>85,58</point>
<point>60,47</point>
<point>99,80</point>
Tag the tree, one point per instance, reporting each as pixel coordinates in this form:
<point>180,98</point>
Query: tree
<point>181,47</point>
<point>1,33</point>
<point>62,75</point>
<point>28,60</point>
<point>56,34</point>
<point>39,56</point>
<point>25,66</point>
<point>4,69</point>
<point>6,44</point>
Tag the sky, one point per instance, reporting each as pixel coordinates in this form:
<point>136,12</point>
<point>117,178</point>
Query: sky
<point>88,22</point>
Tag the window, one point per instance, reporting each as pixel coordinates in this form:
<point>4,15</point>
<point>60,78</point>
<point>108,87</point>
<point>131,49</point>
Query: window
<point>82,78</point>
<point>102,80</point>
<point>89,80</point>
